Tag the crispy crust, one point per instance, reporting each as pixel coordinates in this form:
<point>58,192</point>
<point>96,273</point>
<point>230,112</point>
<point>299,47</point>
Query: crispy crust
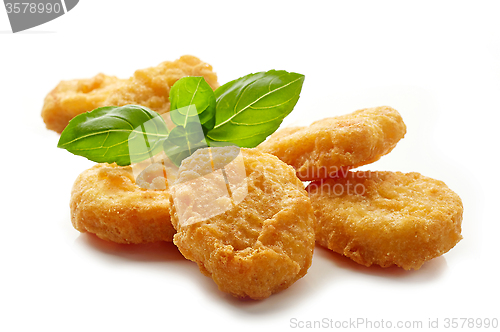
<point>329,145</point>
<point>106,201</point>
<point>148,87</point>
<point>261,244</point>
<point>386,218</point>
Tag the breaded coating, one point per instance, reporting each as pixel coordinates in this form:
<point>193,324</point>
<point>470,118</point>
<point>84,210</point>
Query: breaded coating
<point>106,201</point>
<point>245,219</point>
<point>329,145</point>
<point>148,87</point>
<point>386,218</point>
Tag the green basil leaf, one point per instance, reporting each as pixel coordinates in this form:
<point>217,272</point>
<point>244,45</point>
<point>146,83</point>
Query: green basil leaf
<point>183,137</point>
<point>252,107</point>
<point>192,98</point>
<point>110,134</point>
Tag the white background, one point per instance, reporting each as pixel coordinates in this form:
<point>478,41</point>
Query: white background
<point>437,63</point>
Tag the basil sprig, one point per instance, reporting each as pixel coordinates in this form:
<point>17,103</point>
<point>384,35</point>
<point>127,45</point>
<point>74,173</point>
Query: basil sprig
<point>242,112</point>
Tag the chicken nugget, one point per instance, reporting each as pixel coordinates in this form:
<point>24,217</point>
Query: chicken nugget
<point>386,218</point>
<point>148,87</point>
<point>329,145</point>
<point>244,218</point>
<point>106,201</point>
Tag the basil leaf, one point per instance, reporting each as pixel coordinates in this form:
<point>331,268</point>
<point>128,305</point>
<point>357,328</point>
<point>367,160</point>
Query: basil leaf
<point>184,141</point>
<point>192,98</point>
<point>252,107</point>
<point>110,134</point>
<point>191,134</point>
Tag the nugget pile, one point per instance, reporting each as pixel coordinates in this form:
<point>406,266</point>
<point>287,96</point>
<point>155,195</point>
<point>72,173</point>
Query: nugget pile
<point>243,215</point>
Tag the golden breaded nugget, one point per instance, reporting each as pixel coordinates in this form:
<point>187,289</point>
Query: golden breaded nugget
<point>329,145</point>
<point>148,87</point>
<point>106,201</point>
<point>245,219</point>
<point>386,218</point>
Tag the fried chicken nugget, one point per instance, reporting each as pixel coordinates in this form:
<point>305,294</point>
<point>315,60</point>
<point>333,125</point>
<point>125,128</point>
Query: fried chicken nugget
<point>329,145</point>
<point>148,87</point>
<point>386,218</point>
<point>106,201</point>
<point>245,219</point>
